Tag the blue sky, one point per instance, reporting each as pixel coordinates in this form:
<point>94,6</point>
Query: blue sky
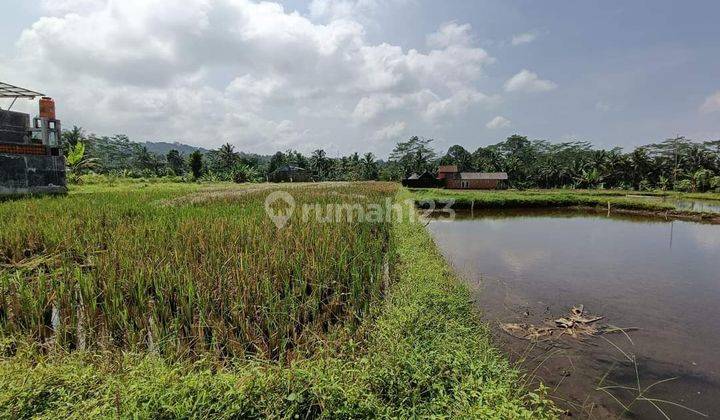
<point>356,75</point>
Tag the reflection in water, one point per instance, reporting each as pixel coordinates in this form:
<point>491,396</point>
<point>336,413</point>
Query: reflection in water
<point>662,277</point>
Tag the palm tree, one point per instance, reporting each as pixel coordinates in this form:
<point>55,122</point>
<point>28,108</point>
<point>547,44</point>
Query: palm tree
<point>72,137</point>
<point>369,167</point>
<point>320,164</point>
<point>226,157</point>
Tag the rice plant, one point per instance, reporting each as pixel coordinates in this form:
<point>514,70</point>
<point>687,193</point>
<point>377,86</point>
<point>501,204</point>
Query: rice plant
<point>126,270</point>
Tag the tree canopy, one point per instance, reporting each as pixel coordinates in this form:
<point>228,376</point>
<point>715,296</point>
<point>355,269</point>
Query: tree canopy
<point>675,163</point>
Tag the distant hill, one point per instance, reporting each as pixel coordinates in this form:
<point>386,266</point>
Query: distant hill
<point>162,147</point>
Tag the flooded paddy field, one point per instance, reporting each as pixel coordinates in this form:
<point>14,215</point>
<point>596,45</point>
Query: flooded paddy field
<point>661,277</point>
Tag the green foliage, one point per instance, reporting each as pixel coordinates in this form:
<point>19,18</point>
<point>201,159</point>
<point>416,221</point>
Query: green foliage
<point>684,185</point>
<point>244,173</point>
<point>226,157</point>
<point>413,155</point>
<point>666,165</point>
<point>424,353</point>
<point>715,183</point>
<point>701,180</point>
<point>457,155</point>
<point>542,198</point>
<point>541,164</point>
<point>176,162</point>
<point>196,164</point>
<point>71,137</point>
<point>77,163</point>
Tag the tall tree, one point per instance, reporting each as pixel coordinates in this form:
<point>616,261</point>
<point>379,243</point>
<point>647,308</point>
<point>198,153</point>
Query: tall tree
<point>457,155</point>
<point>320,164</point>
<point>277,160</point>
<point>196,164</point>
<point>146,161</point>
<point>72,137</point>
<point>226,157</point>
<point>414,155</point>
<point>369,167</point>
<point>176,162</point>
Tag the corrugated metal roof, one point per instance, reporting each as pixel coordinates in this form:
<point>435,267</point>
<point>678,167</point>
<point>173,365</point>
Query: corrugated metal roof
<point>10,91</point>
<point>448,168</point>
<point>413,176</point>
<point>483,175</point>
<point>289,168</point>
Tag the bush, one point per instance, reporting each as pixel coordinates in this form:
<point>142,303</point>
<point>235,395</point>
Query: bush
<point>715,183</point>
<point>684,185</point>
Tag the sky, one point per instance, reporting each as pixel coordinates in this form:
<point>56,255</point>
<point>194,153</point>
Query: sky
<point>360,75</point>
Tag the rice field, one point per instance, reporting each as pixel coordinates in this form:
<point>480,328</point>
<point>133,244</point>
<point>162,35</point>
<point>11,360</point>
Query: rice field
<point>135,300</point>
<point>187,271</point>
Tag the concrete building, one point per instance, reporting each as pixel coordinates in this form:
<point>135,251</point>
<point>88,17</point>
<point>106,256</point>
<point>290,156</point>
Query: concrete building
<point>476,180</point>
<point>31,160</point>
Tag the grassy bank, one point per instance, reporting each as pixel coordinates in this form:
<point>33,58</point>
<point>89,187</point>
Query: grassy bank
<point>624,193</point>
<point>594,200</point>
<point>420,351</point>
<point>518,199</point>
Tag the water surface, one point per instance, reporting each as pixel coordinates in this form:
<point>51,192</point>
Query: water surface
<point>661,277</point>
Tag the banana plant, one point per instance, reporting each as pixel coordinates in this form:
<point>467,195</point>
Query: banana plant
<point>77,163</point>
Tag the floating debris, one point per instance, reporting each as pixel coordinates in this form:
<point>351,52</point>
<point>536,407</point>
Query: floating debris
<point>578,324</point>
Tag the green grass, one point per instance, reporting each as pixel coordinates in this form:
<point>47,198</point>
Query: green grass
<point>654,193</point>
<point>698,196</point>
<point>464,199</point>
<point>420,351</point>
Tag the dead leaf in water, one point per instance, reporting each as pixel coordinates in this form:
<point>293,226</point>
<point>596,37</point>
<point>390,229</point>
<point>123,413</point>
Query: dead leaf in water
<point>577,325</point>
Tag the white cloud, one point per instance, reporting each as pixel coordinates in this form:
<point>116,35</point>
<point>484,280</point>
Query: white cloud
<point>59,7</point>
<point>390,132</point>
<point>451,33</point>
<point>498,122</point>
<point>454,105</point>
<point>524,38</point>
<point>527,81</point>
<point>347,9</point>
<point>711,104</point>
<point>370,107</point>
<point>253,91</point>
<point>252,73</point>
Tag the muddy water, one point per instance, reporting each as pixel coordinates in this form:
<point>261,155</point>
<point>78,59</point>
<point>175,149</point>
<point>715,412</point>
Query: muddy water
<point>661,277</point>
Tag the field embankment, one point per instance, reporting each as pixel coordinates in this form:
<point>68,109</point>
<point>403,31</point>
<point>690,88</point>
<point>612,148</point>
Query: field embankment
<point>588,200</point>
<point>120,304</point>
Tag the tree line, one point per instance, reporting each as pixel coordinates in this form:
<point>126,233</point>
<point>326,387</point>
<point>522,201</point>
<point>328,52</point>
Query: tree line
<point>672,164</point>
<point>119,156</point>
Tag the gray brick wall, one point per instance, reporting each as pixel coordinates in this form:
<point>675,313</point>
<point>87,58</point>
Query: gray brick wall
<point>26,174</point>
